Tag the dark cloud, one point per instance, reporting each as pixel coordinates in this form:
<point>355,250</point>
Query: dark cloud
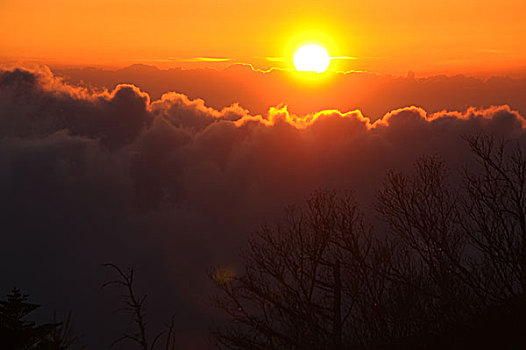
<point>173,187</point>
<point>34,105</point>
<point>374,94</point>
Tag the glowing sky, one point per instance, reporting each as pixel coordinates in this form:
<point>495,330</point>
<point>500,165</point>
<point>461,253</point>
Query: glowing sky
<point>385,36</point>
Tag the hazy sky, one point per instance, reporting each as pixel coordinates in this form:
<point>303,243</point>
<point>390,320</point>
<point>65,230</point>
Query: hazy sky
<point>436,36</point>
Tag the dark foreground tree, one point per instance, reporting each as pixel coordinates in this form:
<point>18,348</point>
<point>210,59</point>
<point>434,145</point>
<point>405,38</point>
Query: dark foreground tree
<point>495,219</point>
<point>423,218</point>
<point>447,271</point>
<point>17,333</point>
<point>134,305</point>
<point>305,282</point>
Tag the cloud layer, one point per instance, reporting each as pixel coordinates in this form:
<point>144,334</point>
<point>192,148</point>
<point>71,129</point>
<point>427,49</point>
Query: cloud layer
<point>173,187</point>
<point>373,94</point>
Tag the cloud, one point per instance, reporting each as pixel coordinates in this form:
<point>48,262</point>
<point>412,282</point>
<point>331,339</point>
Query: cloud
<point>208,59</point>
<point>173,186</point>
<point>344,58</point>
<point>35,105</point>
<point>257,90</point>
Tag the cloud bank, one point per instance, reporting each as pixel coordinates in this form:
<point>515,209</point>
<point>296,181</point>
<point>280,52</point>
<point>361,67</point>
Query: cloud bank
<point>172,186</point>
<point>256,90</point>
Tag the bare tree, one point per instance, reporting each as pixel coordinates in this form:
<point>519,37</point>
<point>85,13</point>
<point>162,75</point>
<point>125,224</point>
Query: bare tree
<point>423,217</point>
<point>134,304</point>
<point>302,280</point>
<point>62,338</point>
<point>450,256</point>
<point>496,214</point>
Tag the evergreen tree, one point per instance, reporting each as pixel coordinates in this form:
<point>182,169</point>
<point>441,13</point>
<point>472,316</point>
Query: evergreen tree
<point>17,333</point>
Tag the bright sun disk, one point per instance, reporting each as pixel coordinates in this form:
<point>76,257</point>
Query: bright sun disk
<point>311,58</point>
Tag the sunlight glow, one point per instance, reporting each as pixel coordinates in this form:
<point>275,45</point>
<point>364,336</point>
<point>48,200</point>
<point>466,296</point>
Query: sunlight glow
<point>311,58</point>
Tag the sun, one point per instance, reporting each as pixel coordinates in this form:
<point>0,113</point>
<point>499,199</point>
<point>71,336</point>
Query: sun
<point>311,58</point>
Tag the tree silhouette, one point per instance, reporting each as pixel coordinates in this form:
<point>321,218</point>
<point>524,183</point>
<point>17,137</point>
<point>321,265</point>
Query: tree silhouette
<point>17,333</point>
<point>134,304</point>
<point>447,270</point>
<point>423,217</point>
<point>305,282</point>
<point>496,215</point>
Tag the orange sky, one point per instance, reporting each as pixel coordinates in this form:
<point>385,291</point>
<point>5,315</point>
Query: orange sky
<point>435,36</point>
